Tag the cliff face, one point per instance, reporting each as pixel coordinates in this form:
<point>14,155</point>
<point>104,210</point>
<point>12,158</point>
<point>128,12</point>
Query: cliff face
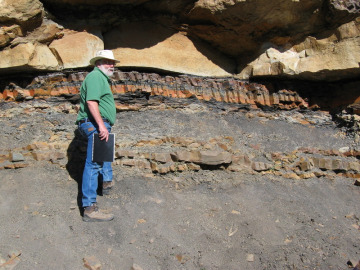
<point>229,105</point>
<point>309,48</point>
<point>316,40</point>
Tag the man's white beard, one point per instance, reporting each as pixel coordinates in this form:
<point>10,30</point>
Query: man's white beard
<point>109,72</point>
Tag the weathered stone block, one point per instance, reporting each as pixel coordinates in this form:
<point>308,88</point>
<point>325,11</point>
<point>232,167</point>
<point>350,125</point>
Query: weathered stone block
<point>128,162</point>
<point>182,167</point>
<point>193,167</point>
<point>186,156</point>
<point>306,175</point>
<point>19,165</point>
<point>352,175</point>
<point>183,141</point>
<point>153,142</point>
<point>354,166</point>
<point>306,165</point>
<point>173,167</point>
<point>337,164</point>
<point>38,146</point>
<point>319,174</point>
<point>41,155</point>
<point>238,168</point>
<point>6,165</point>
<point>260,166</point>
<point>194,145</point>
<point>154,166</point>
<point>146,155</point>
<point>164,169</point>
<point>161,157</point>
<point>214,158</point>
<point>143,164</point>
<point>241,160</point>
<point>316,162</point>
<point>325,164</point>
<point>16,157</point>
<point>69,46</point>
<point>291,175</point>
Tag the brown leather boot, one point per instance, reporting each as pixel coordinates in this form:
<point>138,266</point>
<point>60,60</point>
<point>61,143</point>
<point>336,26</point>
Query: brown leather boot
<point>92,213</point>
<point>107,186</point>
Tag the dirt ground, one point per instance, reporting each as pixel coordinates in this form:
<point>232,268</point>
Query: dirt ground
<point>203,220</point>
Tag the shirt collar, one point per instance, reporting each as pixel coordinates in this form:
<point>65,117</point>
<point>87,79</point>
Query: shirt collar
<point>106,76</point>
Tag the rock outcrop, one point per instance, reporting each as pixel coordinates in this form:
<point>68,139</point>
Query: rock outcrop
<point>312,40</point>
<point>149,87</point>
<point>296,56</point>
<point>332,58</point>
<point>53,141</point>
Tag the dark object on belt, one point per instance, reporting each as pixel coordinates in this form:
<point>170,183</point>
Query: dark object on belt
<point>82,121</point>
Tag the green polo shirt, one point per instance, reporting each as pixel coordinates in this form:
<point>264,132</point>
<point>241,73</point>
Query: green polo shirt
<point>96,87</point>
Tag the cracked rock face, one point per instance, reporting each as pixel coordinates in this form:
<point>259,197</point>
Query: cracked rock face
<point>301,39</point>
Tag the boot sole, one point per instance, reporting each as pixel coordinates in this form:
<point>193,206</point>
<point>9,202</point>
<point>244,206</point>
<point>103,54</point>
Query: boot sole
<point>106,191</point>
<point>88,219</point>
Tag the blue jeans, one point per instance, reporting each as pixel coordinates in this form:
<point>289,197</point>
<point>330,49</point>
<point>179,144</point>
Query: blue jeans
<point>93,170</point>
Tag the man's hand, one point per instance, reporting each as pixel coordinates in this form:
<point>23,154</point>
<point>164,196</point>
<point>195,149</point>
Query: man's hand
<point>93,106</point>
<point>103,132</point>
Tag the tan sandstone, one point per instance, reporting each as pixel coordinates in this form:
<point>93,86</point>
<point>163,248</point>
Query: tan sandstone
<point>21,12</point>
<point>151,45</point>
<point>312,40</point>
<point>29,56</point>
<point>76,48</point>
<point>313,58</point>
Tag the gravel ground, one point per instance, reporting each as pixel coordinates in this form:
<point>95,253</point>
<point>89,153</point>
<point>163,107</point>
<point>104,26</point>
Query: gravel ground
<point>240,222</point>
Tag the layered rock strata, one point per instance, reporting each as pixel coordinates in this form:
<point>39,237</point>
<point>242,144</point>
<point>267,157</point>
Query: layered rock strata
<point>267,95</point>
<point>310,40</point>
<point>134,91</point>
<point>151,85</point>
<point>178,154</point>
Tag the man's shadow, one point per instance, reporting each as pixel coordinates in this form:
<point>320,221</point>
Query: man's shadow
<point>76,154</point>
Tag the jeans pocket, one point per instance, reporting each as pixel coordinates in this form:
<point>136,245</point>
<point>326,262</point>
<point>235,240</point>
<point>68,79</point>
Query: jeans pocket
<point>87,129</point>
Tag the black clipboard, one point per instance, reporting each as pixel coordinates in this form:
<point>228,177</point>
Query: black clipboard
<point>103,151</point>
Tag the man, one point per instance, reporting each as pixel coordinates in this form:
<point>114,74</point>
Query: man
<point>97,114</point>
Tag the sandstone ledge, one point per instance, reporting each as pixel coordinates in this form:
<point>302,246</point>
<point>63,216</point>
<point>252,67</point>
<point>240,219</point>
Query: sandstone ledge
<point>200,155</point>
<point>242,39</point>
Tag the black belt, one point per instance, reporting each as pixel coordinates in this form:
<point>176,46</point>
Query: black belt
<point>82,121</point>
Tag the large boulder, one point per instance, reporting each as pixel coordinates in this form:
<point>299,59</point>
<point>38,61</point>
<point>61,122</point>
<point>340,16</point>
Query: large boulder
<point>29,57</point>
<point>26,13</point>
<point>8,33</point>
<point>149,45</point>
<point>208,157</point>
<point>332,58</point>
<point>75,49</point>
<point>243,28</point>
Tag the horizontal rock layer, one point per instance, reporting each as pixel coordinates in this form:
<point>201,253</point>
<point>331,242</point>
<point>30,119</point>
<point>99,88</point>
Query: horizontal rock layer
<point>302,163</point>
<point>146,85</point>
<point>134,90</point>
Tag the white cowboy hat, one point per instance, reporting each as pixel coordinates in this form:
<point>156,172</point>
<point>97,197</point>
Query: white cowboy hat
<point>103,54</point>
